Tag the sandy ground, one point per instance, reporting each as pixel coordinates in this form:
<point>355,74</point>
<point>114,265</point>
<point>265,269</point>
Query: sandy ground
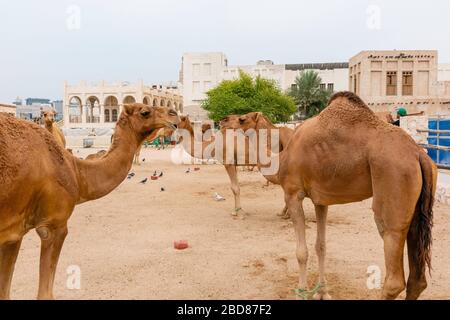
<point>123,243</point>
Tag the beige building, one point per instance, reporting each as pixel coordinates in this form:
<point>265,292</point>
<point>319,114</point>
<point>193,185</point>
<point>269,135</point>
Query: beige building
<point>8,108</point>
<point>98,105</point>
<point>201,72</point>
<point>411,79</point>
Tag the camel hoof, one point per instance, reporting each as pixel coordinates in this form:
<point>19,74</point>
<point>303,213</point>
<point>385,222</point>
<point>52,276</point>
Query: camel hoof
<point>238,214</point>
<point>321,296</point>
<point>287,216</point>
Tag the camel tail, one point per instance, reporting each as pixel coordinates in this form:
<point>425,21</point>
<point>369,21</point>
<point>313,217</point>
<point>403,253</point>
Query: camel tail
<point>423,219</point>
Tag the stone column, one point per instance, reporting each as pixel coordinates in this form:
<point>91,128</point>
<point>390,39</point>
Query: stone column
<point>102,113</point>
<point>66,114</point>
<point>83,113</point>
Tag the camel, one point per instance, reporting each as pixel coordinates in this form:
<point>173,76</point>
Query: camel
<point>52,127</point>
<point>257,121</point>
<point>42,182</point>
<point>161,134</point>
<point>347,154</point>
<point>231,168</point>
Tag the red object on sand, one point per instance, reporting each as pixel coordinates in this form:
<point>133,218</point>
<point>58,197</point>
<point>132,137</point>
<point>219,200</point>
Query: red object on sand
<point>180,244</point>
<point>154,177</point>
<point>196,169</point>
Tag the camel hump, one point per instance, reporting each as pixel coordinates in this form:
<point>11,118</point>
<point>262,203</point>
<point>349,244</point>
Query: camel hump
<point>351,97</point>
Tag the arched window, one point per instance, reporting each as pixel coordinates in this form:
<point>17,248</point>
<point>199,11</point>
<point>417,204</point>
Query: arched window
<point>114,115</point>
<point>107,118</point>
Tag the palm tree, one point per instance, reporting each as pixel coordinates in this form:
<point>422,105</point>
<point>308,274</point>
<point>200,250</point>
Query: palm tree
<point>308,94</point>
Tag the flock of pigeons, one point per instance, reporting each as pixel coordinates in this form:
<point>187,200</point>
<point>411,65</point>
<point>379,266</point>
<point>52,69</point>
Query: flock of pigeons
<point>156,176</point>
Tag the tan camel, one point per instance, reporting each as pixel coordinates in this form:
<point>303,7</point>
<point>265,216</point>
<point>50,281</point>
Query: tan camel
<point>42,182</point>
<point>257,121</point>
<point>52,127</point>
<point>347,154</point>
<point>161,134</point>
<point>231,169</point>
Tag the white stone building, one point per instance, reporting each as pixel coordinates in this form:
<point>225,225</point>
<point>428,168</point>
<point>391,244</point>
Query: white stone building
<point>412,79</point>
<point>98,105</point>
<point>201,72</point>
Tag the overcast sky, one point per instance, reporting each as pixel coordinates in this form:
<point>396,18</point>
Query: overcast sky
<point>43,43</point>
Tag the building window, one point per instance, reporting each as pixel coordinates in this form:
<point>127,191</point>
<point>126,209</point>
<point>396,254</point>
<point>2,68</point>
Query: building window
<point>407,83</point>
<point>323,86</point>
<point>107,119</point>
<point>330,87</point>
<point>293,86</point>
<point>114,115</point>
<point>391,83</point>
<point>195,87</point>
<point>206,85</point>
<point>196,69</point>
<point>207,69</point>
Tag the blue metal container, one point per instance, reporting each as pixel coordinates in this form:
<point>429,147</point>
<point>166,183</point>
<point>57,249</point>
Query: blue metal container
<point>439,139</point>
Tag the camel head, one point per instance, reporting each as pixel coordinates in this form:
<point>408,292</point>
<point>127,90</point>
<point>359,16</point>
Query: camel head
<point>49,117</point>
<point>185,122</point>
<point>144,120</point>
<point>249,120</point>
<point>230,122</point>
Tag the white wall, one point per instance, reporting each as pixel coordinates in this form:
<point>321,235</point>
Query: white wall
<point>200,72</point>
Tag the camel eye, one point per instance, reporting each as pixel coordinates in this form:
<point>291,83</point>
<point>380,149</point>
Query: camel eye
<point>172,113</point>
<point>145,114</point>
<point>241,120</point>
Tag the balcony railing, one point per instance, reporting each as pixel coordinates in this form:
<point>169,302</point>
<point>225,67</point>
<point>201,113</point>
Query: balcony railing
<point>74,119</point>
<point>93,119</point>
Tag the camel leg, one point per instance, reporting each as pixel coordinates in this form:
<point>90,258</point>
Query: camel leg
<point>137,155</point>
<point>8,257</point>
<point>394,243</point>
<point>295,207</point>
<point>284,214</point>
<point>417,281</point>
<point>321,217</point>
<point>232,174</point>
<point>51,244</point>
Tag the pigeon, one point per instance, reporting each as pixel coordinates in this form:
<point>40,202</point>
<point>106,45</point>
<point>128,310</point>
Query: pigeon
<point>188,170</point>
<point>162,189</point>
<point>144,181</point>
<point>130,175</point>
<point>154,174</point>
<point>218,197</point>
<point>161,174</point>
<point>143,159</point>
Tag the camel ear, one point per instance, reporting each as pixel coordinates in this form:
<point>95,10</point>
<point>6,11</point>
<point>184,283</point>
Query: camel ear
<point>129,109</point>
<point>256,116</point>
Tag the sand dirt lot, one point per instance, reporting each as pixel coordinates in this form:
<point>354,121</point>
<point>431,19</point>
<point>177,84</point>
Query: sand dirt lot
<point>123,243</point>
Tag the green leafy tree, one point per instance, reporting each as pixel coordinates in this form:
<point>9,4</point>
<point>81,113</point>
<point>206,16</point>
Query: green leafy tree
<point>246,94</point>
<point>308,95</point>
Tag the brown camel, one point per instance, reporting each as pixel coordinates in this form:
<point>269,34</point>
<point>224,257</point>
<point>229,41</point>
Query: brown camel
<point>52,127</point>
<point>347,154</point>
<point>161,134</point>
<point>42,182</point>
<point>204,146</point>
<point>257,121</point>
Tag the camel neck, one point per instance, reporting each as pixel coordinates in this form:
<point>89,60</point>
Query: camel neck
<point>99,177</point>
<point>49,126</point>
